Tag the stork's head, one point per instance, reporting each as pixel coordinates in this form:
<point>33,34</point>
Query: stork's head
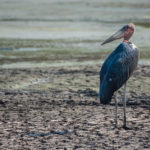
<point>125,32</point>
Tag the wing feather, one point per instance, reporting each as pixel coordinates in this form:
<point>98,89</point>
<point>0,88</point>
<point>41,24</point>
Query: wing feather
<point>116,70</point>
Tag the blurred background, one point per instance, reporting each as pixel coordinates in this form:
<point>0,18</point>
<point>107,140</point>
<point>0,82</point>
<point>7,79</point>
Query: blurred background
<point>43,33</point>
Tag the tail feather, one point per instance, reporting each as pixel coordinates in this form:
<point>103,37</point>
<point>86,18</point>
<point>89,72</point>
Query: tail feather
<point>106,93</point>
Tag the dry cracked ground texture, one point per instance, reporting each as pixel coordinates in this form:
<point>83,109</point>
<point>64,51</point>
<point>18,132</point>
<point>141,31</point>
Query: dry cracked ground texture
<point>58,108</point>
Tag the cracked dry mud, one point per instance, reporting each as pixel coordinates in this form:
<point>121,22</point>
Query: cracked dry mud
<point>58,108</point>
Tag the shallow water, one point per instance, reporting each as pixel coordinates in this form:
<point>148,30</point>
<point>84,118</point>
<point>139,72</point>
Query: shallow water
<point>53,32</point>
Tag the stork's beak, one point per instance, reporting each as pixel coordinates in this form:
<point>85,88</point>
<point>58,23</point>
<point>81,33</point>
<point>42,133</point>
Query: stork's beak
<point>118,35</point>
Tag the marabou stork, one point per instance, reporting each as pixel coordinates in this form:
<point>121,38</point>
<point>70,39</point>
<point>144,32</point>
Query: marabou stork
<point>118,68</point>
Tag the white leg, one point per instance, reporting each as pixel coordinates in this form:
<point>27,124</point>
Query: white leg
<point>116,110</point>
<point>124,106</point>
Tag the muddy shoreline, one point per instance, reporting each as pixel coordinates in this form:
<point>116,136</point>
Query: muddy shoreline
<point>58,108</point>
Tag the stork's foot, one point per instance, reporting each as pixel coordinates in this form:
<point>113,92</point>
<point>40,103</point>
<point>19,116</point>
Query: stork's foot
<point>127,127</point>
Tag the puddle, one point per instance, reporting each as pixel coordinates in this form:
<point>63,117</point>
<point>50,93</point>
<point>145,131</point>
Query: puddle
<point>28,49</point>
<point>6,49</point>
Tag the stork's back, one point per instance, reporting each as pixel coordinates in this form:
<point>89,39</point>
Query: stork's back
<point>117,69</point>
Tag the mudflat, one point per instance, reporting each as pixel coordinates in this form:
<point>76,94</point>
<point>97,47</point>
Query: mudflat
<point>59,108</point>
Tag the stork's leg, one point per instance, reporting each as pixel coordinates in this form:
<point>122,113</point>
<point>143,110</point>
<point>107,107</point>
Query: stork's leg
<point>124,110</point>
<point>124,107</point>
<point>116,110</point>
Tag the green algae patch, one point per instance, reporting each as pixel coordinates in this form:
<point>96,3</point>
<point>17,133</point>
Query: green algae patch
<point>143,24</point>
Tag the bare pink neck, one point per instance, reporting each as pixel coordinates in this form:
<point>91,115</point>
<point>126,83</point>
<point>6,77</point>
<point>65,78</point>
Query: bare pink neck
<point>128,35</point>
